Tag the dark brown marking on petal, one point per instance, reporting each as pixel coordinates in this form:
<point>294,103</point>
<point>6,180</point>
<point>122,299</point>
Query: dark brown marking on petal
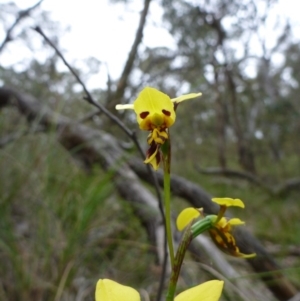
<point>143,115</point>
<point>167,113</point>
<point>152,149</point>
<point>158,157</point>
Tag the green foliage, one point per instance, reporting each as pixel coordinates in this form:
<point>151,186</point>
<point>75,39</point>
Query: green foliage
<point>57,236</point>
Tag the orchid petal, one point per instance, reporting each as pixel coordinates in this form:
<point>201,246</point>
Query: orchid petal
<point>124,107</point>
<point>207,291</point>
<point>185,217</point>
<point>108,290</point>
<point>153,156</point>
<point>229,202</point>
<point>154,109</point>
<point>185,97</point>
<point>222,236</point>
<point>235,221</point>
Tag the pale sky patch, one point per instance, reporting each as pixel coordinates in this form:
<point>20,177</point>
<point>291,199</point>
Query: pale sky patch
<point>106,31</point>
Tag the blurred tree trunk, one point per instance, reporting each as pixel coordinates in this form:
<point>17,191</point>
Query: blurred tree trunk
<point>244,151</point>
<point>116,97</point>
<point>221,120</point>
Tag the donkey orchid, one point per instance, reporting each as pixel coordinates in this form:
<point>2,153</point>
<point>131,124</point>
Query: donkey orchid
<point>155,112</point>
<point>221,227</point>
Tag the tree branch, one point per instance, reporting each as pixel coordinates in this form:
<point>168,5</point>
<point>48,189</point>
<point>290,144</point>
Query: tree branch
<point>280,189</point>
<point>22,14</point>
<point>235,174</point>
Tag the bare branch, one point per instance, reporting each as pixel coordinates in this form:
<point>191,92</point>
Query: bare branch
<point>236,174</point>
<point>280,189</point>
<point>22,14</point>
<point>89,98</point>
<point>287,186</point>
<point>114,118</point>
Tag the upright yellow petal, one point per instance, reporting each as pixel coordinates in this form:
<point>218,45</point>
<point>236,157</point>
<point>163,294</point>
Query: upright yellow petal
<point>208,291</point>
<point>154,109</point>
<point>229,202</point>
<point>108,290</point>
<point>185,97</point>
<point>185,217</point>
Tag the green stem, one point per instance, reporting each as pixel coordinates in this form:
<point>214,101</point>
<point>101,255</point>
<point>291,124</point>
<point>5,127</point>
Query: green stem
<point>167,198</point>
<point>221,213</point>
<point>186,239</point>
<point>191,231</point>
<point>202,225</point>
<point>166,152</point>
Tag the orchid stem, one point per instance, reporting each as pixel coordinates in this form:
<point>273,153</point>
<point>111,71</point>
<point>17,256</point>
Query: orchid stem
<point>191,231</point>
<point>166,151</point>
<point>186,239</point>
<point>167,197</point>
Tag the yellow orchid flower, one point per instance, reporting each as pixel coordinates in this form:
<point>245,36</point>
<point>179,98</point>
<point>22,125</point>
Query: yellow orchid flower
<point>108,290</point>
<point>221,227</point>
<point>223,238</point>
<point>155,112</point>
<point>155,109</point>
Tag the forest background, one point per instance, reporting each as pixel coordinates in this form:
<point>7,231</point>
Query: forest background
<point>77,203</point>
